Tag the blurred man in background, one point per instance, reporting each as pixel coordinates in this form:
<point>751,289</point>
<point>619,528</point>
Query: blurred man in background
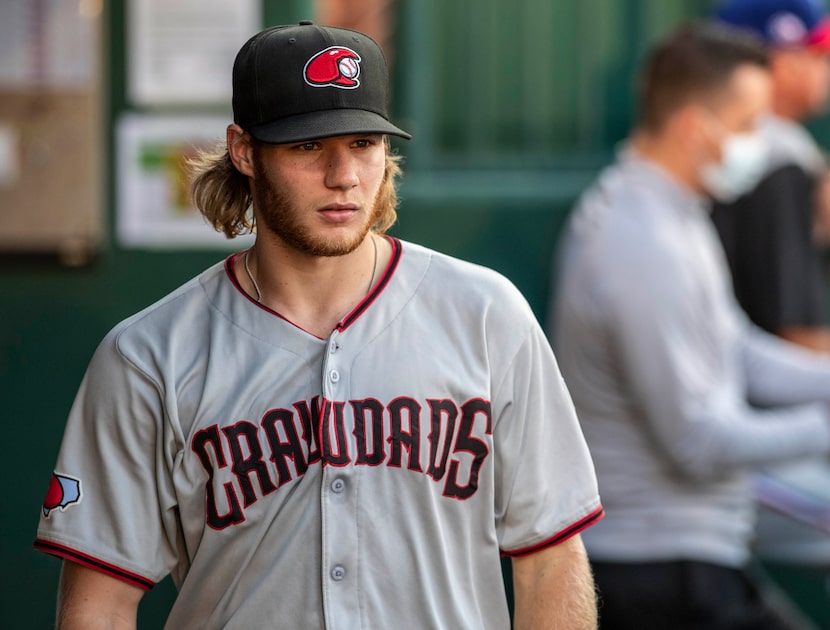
<point>662,363</point>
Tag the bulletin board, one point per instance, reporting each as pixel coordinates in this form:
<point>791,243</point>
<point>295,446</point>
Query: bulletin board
<point>180,59</point>
<point>50,128</point>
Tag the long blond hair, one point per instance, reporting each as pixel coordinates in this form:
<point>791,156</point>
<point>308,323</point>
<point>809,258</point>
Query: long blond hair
<point>223,194</point>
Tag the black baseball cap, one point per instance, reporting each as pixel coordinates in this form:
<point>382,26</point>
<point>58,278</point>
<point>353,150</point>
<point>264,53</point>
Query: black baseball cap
<point>304,82</point>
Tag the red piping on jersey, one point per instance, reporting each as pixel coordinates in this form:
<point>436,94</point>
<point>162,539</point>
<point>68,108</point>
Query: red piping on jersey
<point>560,537</point>
<point>230,266</point>
<point>93,563</point>
<point>379,287</point>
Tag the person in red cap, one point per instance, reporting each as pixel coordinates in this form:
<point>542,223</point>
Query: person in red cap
<point>770,234</point>
<point>334,428</point>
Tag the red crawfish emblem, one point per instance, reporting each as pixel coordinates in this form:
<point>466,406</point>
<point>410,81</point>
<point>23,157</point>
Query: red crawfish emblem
<point>63,491</point>
<point>336,66</point>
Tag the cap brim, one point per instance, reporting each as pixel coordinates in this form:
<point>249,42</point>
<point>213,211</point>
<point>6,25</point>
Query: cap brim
<point>819,39</point>
<point>325,124</point>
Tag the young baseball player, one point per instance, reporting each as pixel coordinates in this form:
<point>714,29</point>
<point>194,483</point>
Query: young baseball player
<point>334,428</point>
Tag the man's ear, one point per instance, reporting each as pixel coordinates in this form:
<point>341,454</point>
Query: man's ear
<point>686,120</point>
<point>688,127</point>
<point>240,150</point>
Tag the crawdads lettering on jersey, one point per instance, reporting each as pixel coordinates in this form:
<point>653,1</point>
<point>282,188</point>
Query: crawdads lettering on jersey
<point>287,441</point>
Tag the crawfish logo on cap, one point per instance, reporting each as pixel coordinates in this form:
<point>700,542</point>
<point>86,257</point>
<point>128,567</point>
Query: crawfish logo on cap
<point>336,66</point>
<point>63,492</point>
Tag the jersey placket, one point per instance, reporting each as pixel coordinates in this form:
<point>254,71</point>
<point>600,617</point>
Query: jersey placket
<point>338,496</point>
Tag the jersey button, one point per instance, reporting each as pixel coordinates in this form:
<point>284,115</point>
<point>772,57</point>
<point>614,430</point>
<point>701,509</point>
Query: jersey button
<point>338,573</point>
<point>334,375</point>
<point>338,485</point>
<point>333,347</point>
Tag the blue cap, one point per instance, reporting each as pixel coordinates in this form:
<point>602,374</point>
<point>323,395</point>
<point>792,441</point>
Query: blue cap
<point>781,23</point>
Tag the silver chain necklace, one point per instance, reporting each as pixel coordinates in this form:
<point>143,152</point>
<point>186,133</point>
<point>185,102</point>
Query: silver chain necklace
<point>259,293</point>
<point>251,276</point>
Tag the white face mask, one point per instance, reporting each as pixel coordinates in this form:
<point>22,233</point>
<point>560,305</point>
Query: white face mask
<point>742,165</point>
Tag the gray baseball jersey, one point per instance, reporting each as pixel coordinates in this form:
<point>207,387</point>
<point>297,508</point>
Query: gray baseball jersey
<point>371,479</point>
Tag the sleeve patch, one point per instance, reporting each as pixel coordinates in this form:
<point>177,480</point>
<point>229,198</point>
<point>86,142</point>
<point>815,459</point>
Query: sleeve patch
<point>64,491</point>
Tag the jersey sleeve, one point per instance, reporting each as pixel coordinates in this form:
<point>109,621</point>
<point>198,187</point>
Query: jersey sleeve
<point>675,346</point>
<point>546,489</point>
<point>110,504</point>
<point>776,268</point>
